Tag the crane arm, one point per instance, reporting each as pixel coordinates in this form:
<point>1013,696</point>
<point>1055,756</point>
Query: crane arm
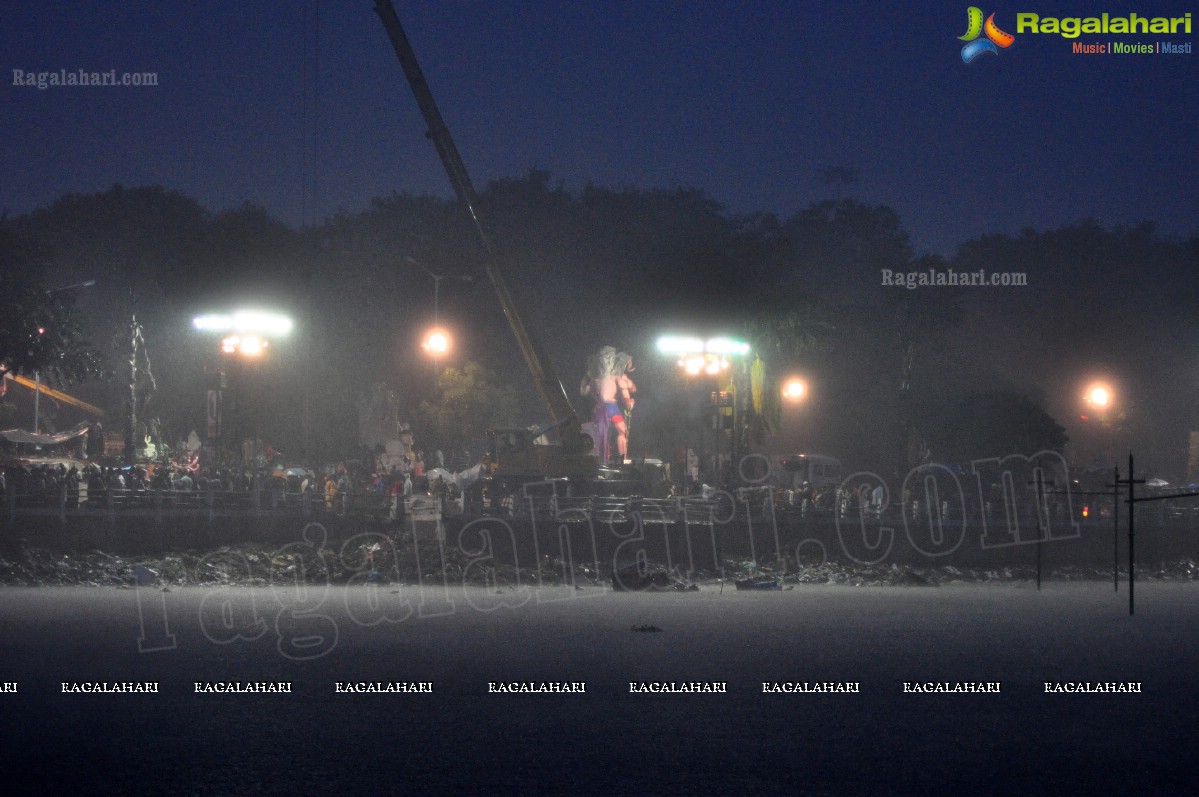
<point>549,386</point>
<point>54,394</point>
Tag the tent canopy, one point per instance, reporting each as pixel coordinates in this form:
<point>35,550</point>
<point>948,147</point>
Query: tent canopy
<point>29,438</point>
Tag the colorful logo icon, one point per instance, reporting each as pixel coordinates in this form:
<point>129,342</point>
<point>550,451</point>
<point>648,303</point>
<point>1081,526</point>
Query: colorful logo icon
<point>995,38</point>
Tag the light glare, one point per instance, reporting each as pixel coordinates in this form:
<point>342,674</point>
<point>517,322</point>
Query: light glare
<point>437,342</point>
<point>726,346</point>
<point>1099,396</point>
<point>675,344</point>
<point>245,321</point>
<point>245,345</point>
<point>683,345</point>
<point>795,389</point>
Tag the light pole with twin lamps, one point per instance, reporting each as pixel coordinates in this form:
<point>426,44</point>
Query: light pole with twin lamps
<point>712,358</point>
<point>245,334</point>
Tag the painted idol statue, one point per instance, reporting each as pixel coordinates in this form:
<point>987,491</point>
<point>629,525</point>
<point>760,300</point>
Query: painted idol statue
<point>625,392</point>
<point>611,391</point>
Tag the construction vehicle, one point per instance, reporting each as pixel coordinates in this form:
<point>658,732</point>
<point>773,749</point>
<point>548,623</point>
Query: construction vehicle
<point>516,454</point>
<point>519,456</point>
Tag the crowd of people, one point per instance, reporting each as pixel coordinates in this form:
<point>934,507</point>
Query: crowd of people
<point>340,488</point>
<point>93,484</point>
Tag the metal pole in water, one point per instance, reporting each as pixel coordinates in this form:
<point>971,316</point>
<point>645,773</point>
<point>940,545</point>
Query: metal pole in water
<point>1132,514</point>
<point>1116,529</point>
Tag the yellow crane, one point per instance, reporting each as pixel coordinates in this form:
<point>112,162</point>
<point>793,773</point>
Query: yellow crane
<point>58,395</point>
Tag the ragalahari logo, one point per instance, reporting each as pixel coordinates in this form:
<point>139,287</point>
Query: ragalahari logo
<point>995,38</point>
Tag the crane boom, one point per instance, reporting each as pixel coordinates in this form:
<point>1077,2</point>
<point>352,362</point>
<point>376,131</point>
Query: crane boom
<point>549,386</point>
<point>54,394</point>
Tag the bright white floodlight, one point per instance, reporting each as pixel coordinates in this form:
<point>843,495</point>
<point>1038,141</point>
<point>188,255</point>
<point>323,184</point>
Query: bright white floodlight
<point>251,322</point>
<point>684,345</point>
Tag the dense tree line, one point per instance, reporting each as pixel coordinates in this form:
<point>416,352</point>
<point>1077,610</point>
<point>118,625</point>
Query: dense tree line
<point>945,366</point>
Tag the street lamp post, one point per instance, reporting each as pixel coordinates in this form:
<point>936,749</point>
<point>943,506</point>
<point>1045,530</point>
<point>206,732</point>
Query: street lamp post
<point>437,341</point>
<point>1100,398</point>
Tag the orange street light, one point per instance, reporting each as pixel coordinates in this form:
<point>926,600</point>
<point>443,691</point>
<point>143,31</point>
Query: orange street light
<point>795,389</point>
<point>437,342</point>
<point>250,346</point>
<point>1099,395</point>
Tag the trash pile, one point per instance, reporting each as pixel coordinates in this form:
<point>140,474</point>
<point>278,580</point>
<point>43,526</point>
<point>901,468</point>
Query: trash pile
<point>379,559</point>
<point>759,582</point>
<point>389,560</point>
<point>643,577</point>
<point>752,575</point>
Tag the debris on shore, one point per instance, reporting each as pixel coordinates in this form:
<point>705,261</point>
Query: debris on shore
<point>401,560</point>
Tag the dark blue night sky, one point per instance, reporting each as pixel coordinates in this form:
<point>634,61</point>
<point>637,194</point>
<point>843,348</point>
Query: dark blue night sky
<point>746,101</point>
